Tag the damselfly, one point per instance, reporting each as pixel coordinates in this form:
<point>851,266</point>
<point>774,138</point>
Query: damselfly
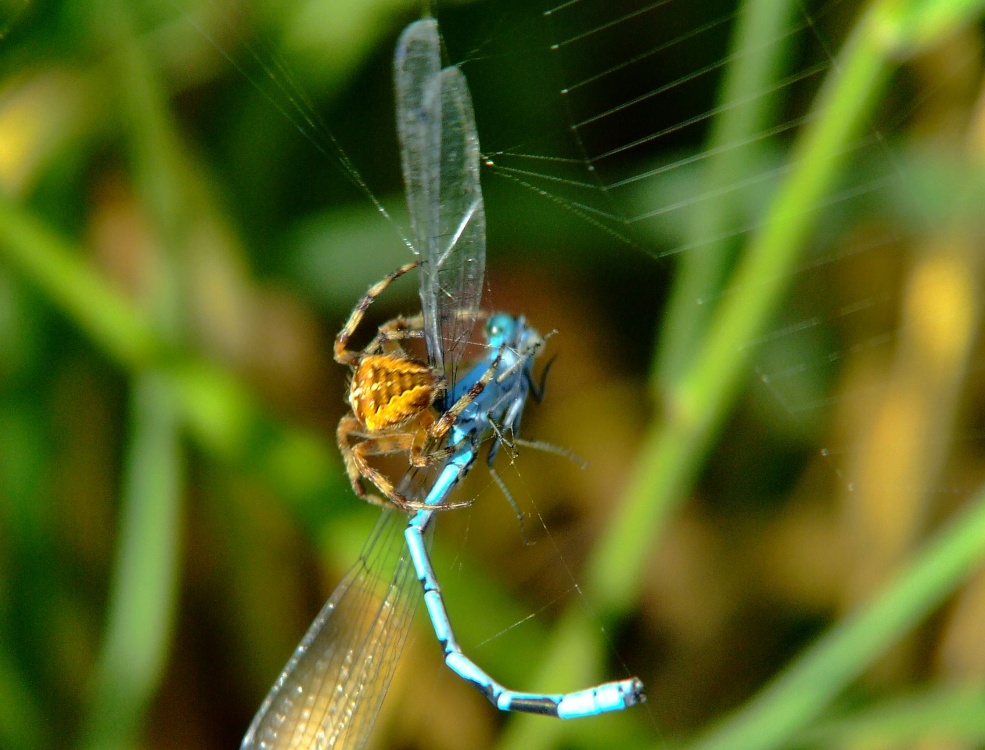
<point>331,690</point>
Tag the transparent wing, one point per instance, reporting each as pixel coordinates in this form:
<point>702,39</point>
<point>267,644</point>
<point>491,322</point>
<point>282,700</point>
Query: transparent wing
<point>440,154</point>
<point>416,63</point>
<point>452,279</point>
<point>331,690</point>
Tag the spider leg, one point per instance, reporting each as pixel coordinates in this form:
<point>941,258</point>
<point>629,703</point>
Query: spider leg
<point>421,457</point>
<point>348,427</point>
<point>396,330</point>
<point>381,446</point>
<point>343,354</point>
<point>438,431</point>
<point>462,313</point>
<point>355,456</point>
<point>378,446</point>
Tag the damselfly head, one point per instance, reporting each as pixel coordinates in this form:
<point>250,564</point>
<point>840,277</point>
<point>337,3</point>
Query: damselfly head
<point>503,330</point>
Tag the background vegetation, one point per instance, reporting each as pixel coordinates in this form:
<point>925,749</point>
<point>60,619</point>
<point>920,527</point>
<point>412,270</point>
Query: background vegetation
<point>777,388</point>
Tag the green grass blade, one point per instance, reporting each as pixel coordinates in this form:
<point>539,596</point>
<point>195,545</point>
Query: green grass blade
<point>65,278</point>
<point>144,583</point>
<point>804,688</point>
<point>218,409</point>
<point>748,103</point>
<point>22,721</point>
<point>699,401</point>
<point>940,715</point>
<point>916,24</point>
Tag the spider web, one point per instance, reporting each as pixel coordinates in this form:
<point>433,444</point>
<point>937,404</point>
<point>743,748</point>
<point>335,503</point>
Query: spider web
<point>614,157</point>
<point>651,164</point>
<point>859,422</point>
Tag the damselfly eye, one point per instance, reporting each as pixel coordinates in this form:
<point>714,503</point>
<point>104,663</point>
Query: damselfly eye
<point>499,327</point>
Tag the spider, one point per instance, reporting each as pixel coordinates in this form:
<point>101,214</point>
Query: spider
<point>392,396</point>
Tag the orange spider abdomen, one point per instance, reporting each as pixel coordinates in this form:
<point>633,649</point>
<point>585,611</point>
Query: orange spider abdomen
<point>388,391</point>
